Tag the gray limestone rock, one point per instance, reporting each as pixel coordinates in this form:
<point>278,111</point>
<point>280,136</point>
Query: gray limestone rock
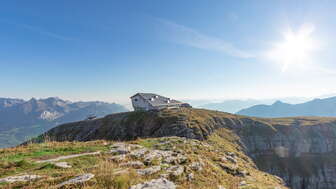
<point>134,164</point>
<point>231,159</point>
<point>160,183</point>
<point>78,179</point>
<point>139,153</point>
<point>196,166</point>
<point>20,178</point>
<point>175,171</point>
<point>120,148</point>
<point>149,171</point>
<point>64,165</point>
<point>118,158</point>
<point>190,176</point>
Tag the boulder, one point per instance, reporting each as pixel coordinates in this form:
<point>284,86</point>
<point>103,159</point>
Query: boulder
<point>175,158</point>
<point>232,154</point>
<point>153,155</point>
<point>118,157</point>
<point>134,164</point>
<point>20,178</point>
<point>196,166</point>
<point>234,170</point>
<point>120,148</point>
<point>190,176</point>
<point>160,183</point>
<point>175,171</point>
<point>149,171</point>
<point>229,169</point>
<point>231,159</point>
<point>223,159</point>
<point>165,156</point>
<point>242,173</point>
<point>62,165</point>
<point>242,183</point>
<point>139,153</point>
<point>78,179</point>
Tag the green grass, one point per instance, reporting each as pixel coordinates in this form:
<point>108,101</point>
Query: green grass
<point>44,151</point>
<point>16,160</point>
<point>148,143</point>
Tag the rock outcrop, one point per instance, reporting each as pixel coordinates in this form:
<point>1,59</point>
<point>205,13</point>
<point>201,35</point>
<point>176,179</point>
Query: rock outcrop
<point>20,178</point>
<point>164,162</point>
<point>78,179</point>
<point>155,184</point>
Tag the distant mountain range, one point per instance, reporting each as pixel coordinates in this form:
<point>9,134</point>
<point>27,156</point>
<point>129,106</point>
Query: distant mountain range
<point>20,119</point>
<point>233,106</point>
<point>316,107</point>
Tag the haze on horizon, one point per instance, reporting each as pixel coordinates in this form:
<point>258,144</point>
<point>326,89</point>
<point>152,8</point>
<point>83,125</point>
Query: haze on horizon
<point>109,50</point>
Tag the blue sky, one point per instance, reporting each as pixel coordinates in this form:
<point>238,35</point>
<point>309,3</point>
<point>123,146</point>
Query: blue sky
<point>192,49</point>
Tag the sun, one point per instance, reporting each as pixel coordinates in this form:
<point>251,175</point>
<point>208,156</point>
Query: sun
<point>296,48</point>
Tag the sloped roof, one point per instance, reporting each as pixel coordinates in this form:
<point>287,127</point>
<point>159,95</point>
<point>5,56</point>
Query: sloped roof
<point>157,100</point>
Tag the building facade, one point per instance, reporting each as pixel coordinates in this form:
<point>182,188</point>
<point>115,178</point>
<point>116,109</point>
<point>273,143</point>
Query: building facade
<point>150,101</point>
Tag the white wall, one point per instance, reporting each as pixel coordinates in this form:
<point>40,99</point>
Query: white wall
<point>139,103</point>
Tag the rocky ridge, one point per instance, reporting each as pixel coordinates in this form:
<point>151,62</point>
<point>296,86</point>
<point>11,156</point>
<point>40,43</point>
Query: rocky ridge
<point>300,150</point>
<point>166,162</point>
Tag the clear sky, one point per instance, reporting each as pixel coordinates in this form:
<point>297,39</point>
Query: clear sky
<point>195,49</point>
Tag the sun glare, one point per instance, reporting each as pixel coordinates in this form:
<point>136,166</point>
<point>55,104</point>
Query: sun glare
<point>295,49</point>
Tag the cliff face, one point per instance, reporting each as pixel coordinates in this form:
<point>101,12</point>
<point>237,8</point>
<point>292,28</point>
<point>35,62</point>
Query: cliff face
<point>304,156</point>
<point>299,150</point>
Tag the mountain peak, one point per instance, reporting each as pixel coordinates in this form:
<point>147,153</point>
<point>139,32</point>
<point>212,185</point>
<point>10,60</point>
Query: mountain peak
<point>21,117</point>
<point>53,98</point>
<point>33,99</point>
<point>318,107</point>
<point>278,102</point>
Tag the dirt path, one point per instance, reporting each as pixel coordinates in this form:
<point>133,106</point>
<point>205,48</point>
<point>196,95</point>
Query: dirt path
<point>67,157</point>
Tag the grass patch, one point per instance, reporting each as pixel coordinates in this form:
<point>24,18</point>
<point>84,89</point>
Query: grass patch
<point>148,143</point>
<point>48,150</point>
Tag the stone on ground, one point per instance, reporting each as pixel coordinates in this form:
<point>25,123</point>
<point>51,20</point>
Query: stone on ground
<point>78,179</point>
<point>196,166</point>
<point>149,171</point>
<point>120,148</point>
<point>139,153</point>
<point>62,165</point>
<point>161,183</point>
<point>118,157</point>
<point>20,178</point>
<point>190,176</point>
<point>175,171</point>
<point>134,164</point>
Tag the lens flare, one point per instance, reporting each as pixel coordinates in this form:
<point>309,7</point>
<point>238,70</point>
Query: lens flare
<point>296,48</point>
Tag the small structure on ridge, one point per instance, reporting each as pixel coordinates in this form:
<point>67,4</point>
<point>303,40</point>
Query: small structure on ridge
<point>150,101</point>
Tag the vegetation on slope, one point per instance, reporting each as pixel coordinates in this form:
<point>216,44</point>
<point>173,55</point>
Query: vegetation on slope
<point>221,132</point>
<point>185,122</point>
<point>214,172</point>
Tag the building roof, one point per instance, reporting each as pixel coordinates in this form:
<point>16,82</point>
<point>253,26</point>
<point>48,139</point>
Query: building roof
<point>157,100</point>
